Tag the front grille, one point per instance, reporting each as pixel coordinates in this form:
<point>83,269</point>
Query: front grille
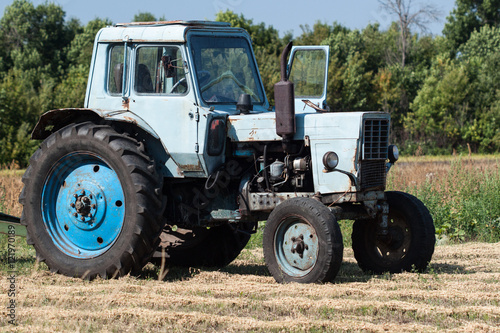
<point>375,145</point>
<point>375,139</point>
<point>373,175</point>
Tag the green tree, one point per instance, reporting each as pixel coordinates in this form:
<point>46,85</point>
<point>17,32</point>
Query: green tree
<point>481,53</point>
<point>34,37</point>
<point>70,92</point>
<point>469,16</point>
<point>441,108</point>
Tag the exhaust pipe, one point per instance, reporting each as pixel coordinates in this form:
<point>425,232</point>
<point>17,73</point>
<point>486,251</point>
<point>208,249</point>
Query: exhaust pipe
<point>285,103</point>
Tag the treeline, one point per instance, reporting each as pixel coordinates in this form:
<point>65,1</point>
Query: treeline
<point>443,92</point>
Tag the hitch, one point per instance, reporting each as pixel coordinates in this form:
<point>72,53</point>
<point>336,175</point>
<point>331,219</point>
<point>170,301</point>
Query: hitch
<point>11,225</point>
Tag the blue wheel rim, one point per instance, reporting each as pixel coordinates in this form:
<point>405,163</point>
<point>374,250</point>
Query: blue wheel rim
<point>296,246</point>
<point>83,205</point>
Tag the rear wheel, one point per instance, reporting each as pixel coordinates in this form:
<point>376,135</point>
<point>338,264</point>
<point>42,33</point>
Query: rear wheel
<point>92,202</point>
<point>409,244</point>
<point>302,242</point>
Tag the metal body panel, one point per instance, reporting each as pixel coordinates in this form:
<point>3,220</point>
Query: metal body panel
<point>173,31</point>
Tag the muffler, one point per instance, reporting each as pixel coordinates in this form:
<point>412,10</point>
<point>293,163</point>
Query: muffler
<point>285,103</point>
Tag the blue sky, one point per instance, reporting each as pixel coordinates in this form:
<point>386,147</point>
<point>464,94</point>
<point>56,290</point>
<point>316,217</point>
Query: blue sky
<point>285,16</point>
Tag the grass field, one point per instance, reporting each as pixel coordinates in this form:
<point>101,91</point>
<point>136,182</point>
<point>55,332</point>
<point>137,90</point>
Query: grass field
<point>460,292</point>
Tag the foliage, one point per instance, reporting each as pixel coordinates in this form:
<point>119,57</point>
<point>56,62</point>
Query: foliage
<point>469,16</point>
<point>465,204</point>
<point>458,103</point>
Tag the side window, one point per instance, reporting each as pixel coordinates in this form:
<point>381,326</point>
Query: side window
<point>115,70</point>
<point>308,73</point>
<point>159,70</point>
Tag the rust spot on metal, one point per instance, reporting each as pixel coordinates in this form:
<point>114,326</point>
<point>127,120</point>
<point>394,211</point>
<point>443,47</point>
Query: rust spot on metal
<point>130,119</point>
<point>179,172</point>
<point>149,23</point>
<point>126,104</point>
<point>354,166</point>
<point>191,167</point>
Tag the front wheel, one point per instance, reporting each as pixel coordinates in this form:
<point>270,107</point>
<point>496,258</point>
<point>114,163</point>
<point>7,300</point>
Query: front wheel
<point>409,244</point>
<point>92,202</point>
<point>302,242</point>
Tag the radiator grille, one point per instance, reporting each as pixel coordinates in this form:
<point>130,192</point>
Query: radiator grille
<point>375,139</point>
<point>373,175</point>
<point>375,144</point>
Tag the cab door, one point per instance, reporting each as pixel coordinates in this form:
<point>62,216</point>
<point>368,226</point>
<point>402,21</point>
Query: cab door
<point>308,70</point>
<point>162,95</point>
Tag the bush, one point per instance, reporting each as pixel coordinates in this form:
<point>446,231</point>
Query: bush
<point>465,202</point>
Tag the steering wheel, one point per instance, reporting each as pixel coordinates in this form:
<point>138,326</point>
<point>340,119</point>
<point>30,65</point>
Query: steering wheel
<point>229,75</point>
<point>182,82</point>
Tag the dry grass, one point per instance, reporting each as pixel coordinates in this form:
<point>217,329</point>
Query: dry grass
<point>459,293</point>
<point>412,172</point>
<point>10,188</point>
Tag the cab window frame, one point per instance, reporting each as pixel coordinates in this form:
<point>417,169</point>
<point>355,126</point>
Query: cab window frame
<point>180,65</point>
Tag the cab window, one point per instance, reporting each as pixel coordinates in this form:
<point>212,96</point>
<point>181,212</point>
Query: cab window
<point>115,70</point>
<point>159,70</point>
<point>308,73</point>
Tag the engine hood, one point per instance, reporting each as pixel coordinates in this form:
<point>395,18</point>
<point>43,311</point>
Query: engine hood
<point>334,125</point>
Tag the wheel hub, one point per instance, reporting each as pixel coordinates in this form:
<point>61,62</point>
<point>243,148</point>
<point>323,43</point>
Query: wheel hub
<point>299,249</point>
<point>394,239</point>
<point>83,208</point>
<point>298,245</point>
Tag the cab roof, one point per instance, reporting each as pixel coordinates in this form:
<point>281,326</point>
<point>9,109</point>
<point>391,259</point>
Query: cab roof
<point>161,31</point>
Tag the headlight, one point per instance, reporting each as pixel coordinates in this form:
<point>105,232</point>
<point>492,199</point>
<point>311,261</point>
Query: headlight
<point>216,137</point>
<point>330,160</point>
<point>393,153</point>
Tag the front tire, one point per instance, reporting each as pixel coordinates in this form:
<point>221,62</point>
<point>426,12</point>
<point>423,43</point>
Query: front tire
<point>409,245</point>
<point>92,202</point>
<point>302,242</point>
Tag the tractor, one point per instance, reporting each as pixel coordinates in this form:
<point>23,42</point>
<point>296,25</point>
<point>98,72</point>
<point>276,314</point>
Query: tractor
<point>177,155</point>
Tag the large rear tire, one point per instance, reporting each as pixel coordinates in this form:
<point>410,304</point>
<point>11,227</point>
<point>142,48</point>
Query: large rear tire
<point>409,244</point>
<point>92,202</point>
<point>302,242</point>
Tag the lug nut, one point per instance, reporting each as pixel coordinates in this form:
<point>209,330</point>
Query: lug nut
<point>83,218</point>
<point>75,214</point>
<point>72,205</point>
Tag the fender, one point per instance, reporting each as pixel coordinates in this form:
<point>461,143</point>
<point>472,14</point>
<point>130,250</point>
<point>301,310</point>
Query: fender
<point>53,120</point>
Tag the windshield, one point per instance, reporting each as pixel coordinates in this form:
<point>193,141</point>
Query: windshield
<point>225,69</point>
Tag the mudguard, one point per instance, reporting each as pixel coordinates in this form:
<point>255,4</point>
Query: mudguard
<point>53,120</point>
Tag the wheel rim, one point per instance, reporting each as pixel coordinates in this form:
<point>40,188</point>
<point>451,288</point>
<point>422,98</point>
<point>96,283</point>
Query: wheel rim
<point>392,249</point>
<point>296,246</point>
<point>83,205</point>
